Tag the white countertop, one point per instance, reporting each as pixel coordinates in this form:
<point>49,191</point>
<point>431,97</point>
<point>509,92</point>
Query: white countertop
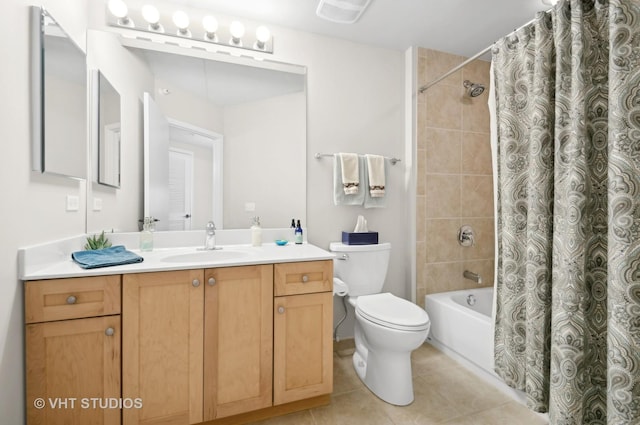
<point>53,260</point>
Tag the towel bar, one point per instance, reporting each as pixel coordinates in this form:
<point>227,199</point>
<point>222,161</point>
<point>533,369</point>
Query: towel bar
<point>392,160</point>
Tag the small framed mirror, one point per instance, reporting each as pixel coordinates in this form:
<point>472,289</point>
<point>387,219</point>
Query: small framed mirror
<point>107,131</point>
<point>58,99</point>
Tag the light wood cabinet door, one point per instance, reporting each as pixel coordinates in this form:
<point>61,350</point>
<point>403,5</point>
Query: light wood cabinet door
<point>70,364</point>
<point>238,340</point>
<point>303,350</point>
<point>162,316</point>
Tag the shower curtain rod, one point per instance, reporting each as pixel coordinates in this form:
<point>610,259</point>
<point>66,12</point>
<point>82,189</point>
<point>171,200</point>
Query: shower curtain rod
<point>452,70</point>
<point>471,59</point>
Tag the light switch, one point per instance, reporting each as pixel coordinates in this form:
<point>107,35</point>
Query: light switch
<point>73,203</point>
<point>97,204</point>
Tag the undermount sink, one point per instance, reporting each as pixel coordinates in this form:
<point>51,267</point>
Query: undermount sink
<point>204,256</point>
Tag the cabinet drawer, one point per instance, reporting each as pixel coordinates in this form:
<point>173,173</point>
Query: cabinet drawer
<point>303,278</point>
<point>59,299</point>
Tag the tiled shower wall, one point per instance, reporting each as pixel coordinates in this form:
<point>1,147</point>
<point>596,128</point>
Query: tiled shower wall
<point>455,182</point>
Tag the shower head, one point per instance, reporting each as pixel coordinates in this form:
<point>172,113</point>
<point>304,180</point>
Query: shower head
<point>473,89</point>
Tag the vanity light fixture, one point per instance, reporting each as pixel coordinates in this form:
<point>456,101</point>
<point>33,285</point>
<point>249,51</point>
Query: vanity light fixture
<point>119,9</point>
<point>152,16</point>
<point>219,30</point>
<point>237,31</point>
<point>262,36</point>
<point>181,20</point>
<point>210,25</point>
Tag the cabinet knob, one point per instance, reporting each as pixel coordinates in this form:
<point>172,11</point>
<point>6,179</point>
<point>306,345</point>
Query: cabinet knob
<point>281,310</point>
<point>305,278</point>
<point>109,332</point>
<point>212,281</point>
<point>195,283</point>
<point>71,299</point>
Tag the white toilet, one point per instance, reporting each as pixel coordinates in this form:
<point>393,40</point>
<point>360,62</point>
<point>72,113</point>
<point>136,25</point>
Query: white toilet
<point>387,328</point>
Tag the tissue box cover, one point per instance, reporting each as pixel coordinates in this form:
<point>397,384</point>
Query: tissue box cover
<point>359,238</point>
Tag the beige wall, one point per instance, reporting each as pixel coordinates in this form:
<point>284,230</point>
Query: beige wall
<point>454,176</point>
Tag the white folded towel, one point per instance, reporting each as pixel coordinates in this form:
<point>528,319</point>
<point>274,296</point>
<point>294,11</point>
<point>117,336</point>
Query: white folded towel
<point>339,197</point>
<point>375,166</point>
<point>350,173</point>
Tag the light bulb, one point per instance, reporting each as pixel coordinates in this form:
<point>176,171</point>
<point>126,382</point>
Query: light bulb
<point>181,19</point>
<point>237,31</point>
<point>210,24</point>
<point>118,8</point>
<point>150,14</point>
<point>262,36</point>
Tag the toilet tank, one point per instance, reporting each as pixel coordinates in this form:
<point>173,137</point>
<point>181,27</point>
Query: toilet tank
<point>362,267</point>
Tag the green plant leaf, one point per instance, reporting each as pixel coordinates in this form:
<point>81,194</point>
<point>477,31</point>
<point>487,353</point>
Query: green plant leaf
<point>97,242</point>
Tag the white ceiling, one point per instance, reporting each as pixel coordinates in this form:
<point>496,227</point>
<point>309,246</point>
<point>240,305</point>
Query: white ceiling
<point>462,27</point>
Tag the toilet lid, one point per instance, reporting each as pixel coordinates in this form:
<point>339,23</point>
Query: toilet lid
<point>393,312</point>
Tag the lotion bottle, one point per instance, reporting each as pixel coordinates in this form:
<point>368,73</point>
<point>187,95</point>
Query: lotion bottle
<point>256,232</point>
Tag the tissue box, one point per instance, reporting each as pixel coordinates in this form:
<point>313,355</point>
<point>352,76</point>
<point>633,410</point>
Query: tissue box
<point>359,238</point>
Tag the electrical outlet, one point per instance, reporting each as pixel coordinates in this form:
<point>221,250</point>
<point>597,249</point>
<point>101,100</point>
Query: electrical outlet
<point>249,206</point>
<point>97,204</point>
<point>73,203</point>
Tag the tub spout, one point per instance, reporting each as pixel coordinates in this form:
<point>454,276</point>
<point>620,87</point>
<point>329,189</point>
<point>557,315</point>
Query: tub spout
<point>473,276</point>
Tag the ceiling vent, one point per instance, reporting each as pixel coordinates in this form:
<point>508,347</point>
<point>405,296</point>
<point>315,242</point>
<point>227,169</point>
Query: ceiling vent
<point>342,11</point>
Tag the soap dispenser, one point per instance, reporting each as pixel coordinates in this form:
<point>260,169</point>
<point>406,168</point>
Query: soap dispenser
<point>298,237</point>
<point>146,235</point>
<point>256,232</point>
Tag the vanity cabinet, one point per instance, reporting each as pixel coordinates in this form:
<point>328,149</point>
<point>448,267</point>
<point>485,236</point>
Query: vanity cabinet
<point>162,342</point>
<point>238,335</point>
<point>72,350</point>
<point>225,345</point>
<point>303,324</point>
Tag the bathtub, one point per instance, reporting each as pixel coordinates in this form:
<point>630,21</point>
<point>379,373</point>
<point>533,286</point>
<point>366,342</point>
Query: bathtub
<point>462,328</point>
<point>461,322</point>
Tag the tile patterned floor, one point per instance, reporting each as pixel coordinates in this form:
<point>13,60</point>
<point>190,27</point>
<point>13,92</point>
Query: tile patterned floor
<point>445,393</point>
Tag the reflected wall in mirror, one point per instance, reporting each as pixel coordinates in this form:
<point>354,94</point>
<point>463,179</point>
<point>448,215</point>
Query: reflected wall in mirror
<point>59,99</point>
<point>259,110</point>
<point>108,127</point>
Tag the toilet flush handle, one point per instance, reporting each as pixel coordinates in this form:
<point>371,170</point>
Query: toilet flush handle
<point>343,257</point>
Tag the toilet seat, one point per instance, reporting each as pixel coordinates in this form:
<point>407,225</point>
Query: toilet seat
<point>393,312</point>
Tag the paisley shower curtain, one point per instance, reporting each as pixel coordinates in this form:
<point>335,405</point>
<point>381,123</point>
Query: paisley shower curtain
<point>567,93</point>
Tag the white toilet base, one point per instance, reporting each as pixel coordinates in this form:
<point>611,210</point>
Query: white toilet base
<point>390,379</point>
<point>388,375</point>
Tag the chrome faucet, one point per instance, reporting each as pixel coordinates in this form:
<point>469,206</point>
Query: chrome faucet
<point>210,238</point>
<point>473,276</point>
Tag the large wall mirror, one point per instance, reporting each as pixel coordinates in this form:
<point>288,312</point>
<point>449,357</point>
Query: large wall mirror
<point>226,139</point>
<point>59,99</point>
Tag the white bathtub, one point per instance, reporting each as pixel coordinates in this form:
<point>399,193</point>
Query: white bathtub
<point>465,332</point>
<point>465,329</point>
